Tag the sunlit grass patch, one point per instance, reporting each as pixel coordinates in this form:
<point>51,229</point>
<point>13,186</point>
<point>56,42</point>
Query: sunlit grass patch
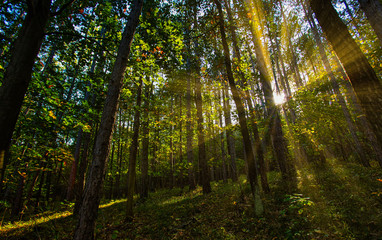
<point>33,222</point>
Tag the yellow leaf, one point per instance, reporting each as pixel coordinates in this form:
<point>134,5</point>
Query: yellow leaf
<point>51,114</point>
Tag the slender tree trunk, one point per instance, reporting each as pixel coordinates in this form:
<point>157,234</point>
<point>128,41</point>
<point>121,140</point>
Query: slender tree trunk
<point>366,84</point>
<point>205,177</point>
<point>181,182</point>
<point>73,172</point>
<point>17,204</point>
<point>249,154</point>
<point>258,148</point>
<point>145,144</point>
<point>229,134</point>
<point>133,155</point>
<point>171,153</point>
<point>81,174</point>
<point>94,183</point>
<point>111,179</point>
<point>222,147</point>
<point>190,151</point>
<point>286,167</point>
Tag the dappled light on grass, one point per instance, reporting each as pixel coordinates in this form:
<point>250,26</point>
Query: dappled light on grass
<point>111,203</point>
<point>34,221</point>
<point>344,203</point>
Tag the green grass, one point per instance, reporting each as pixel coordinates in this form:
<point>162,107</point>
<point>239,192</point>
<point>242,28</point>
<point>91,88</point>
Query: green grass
<point>336,201</point>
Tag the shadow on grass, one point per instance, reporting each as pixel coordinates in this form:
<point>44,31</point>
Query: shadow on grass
<point>345,204</point>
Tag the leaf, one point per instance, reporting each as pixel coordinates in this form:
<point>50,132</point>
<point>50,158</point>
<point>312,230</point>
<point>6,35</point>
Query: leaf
<point>51,114</point>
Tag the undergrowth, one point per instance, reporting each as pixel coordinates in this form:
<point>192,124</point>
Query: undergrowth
<point>333,201</point>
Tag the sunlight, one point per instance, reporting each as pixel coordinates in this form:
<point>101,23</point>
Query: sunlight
<point>279,98</point>
<point>33,222</point>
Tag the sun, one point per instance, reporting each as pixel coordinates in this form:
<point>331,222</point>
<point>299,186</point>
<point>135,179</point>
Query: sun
<point>279,98</point>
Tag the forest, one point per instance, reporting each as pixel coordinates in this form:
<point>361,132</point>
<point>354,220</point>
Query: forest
<point>193,119</point>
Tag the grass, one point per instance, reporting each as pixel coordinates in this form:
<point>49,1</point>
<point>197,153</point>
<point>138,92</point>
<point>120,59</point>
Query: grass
<point>335,201</point>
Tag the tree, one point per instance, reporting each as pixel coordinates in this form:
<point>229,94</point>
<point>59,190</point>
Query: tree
<point>365,82</point>
<point>249,153</point>
<point>19,71</point>
<point>373,12</point>
<point>94,183</point>
<point>133,155</point>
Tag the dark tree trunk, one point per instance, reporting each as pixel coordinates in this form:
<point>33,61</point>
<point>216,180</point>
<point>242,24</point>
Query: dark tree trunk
<point>258,148</point>
<point>73,172</point>
<point>145,144</point>
<point>17,204</point>
<point>190,151</point>
<point>373,12</point>
<point>133,155</point>
<point>204,172</point>
<point>229,134</point>
<point>286,168</point>
<point>362,76</point>
<point>81,174</point>
<point>94,183</point>
<point>19,71</point>
<point>205,177</point>
<point>249,154</point>
<point>353,131</point>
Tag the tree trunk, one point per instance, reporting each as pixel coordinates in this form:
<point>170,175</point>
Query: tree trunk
<point>81,174</point>
<point>353,131</point>
<point>249,154</point>
<point>362,76</point>
<point>17,204</point>
<point>258,148</point>
<point>73,172</point>
<point>205,177</point>
<point>373,12</point>
<point>19,71</point>
<point>145,144</point>
<point>229,134</point>
<point>133,155</point>
<point>94,183</point>
<point>286,168</point>
<point>190,151</point>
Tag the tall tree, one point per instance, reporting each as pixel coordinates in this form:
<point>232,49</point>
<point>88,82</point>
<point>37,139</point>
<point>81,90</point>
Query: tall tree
<point>249,153</point>
<point>365,82</point>
<point>19,71</point>
<point>358,147</point>
<point>373,12</point>
<point>94,183</point>
<point>133,155</point>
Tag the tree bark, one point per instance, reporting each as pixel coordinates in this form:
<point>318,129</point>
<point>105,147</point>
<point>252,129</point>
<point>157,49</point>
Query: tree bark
<point>94,183</point>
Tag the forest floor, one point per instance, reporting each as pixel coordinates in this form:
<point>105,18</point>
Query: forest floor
<point>335,201</point>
